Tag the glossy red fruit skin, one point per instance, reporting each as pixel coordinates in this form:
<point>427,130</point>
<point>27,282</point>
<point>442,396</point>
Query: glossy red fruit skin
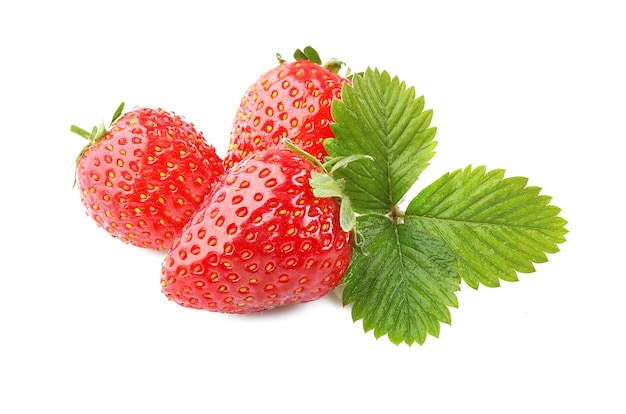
<point>290,101</point>
<point>261,240</point>
<point>147,176</point>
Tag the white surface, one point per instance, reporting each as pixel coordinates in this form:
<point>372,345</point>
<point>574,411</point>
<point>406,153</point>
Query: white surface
<point>537,88</point>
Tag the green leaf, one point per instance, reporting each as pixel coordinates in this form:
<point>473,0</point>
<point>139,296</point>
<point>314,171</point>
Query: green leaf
<point>470,225</point>
<point>495,226</point>
<point>380,117</point>
<point>401,281</point>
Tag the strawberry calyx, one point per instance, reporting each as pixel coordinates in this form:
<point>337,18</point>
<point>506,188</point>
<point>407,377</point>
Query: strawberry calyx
<point>325,185</point>
<point>310,54</point>
<point>97,132</point>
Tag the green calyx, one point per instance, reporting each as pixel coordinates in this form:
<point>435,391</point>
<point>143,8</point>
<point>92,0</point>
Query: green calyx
<point>325,185</point>
<point>96,134</point>
<point>310,54</point>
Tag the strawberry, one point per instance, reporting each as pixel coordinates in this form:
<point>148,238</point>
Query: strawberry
<point>291,101</point>
<point>261,240</point>
<point>145,177</point>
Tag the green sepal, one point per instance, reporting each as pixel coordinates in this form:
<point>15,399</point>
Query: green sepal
<point>324,185</point>
<point>311,55</point>
<point>96,134</point>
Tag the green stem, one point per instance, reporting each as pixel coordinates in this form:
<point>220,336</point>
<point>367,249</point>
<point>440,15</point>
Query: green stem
<point>397,215</point>
<point>291,146</point>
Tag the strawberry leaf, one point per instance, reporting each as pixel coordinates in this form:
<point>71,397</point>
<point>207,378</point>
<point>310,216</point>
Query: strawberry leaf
<point>470,225</point>
<point>380,117</point>
<point>495,226</point>
<point>401,281</point>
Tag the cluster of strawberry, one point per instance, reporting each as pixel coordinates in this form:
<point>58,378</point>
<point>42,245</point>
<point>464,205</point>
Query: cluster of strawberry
<point>243,233</point>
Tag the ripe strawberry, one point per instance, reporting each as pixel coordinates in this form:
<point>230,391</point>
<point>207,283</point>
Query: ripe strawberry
<point>291,101</point>
<point>261,240</point>
<point>144,178</point>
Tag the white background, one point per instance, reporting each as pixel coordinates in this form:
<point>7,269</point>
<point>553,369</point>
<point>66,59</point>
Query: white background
<point>536,87</point>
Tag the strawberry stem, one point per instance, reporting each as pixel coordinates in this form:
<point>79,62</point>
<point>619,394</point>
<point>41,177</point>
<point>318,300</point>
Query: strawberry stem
<point>340,162</point>
<point>291,146</point>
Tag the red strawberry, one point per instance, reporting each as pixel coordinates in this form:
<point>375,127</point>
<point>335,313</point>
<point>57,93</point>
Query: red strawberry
<point>261,240</point>
<point>144,178</point>
<point>291,101</point>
